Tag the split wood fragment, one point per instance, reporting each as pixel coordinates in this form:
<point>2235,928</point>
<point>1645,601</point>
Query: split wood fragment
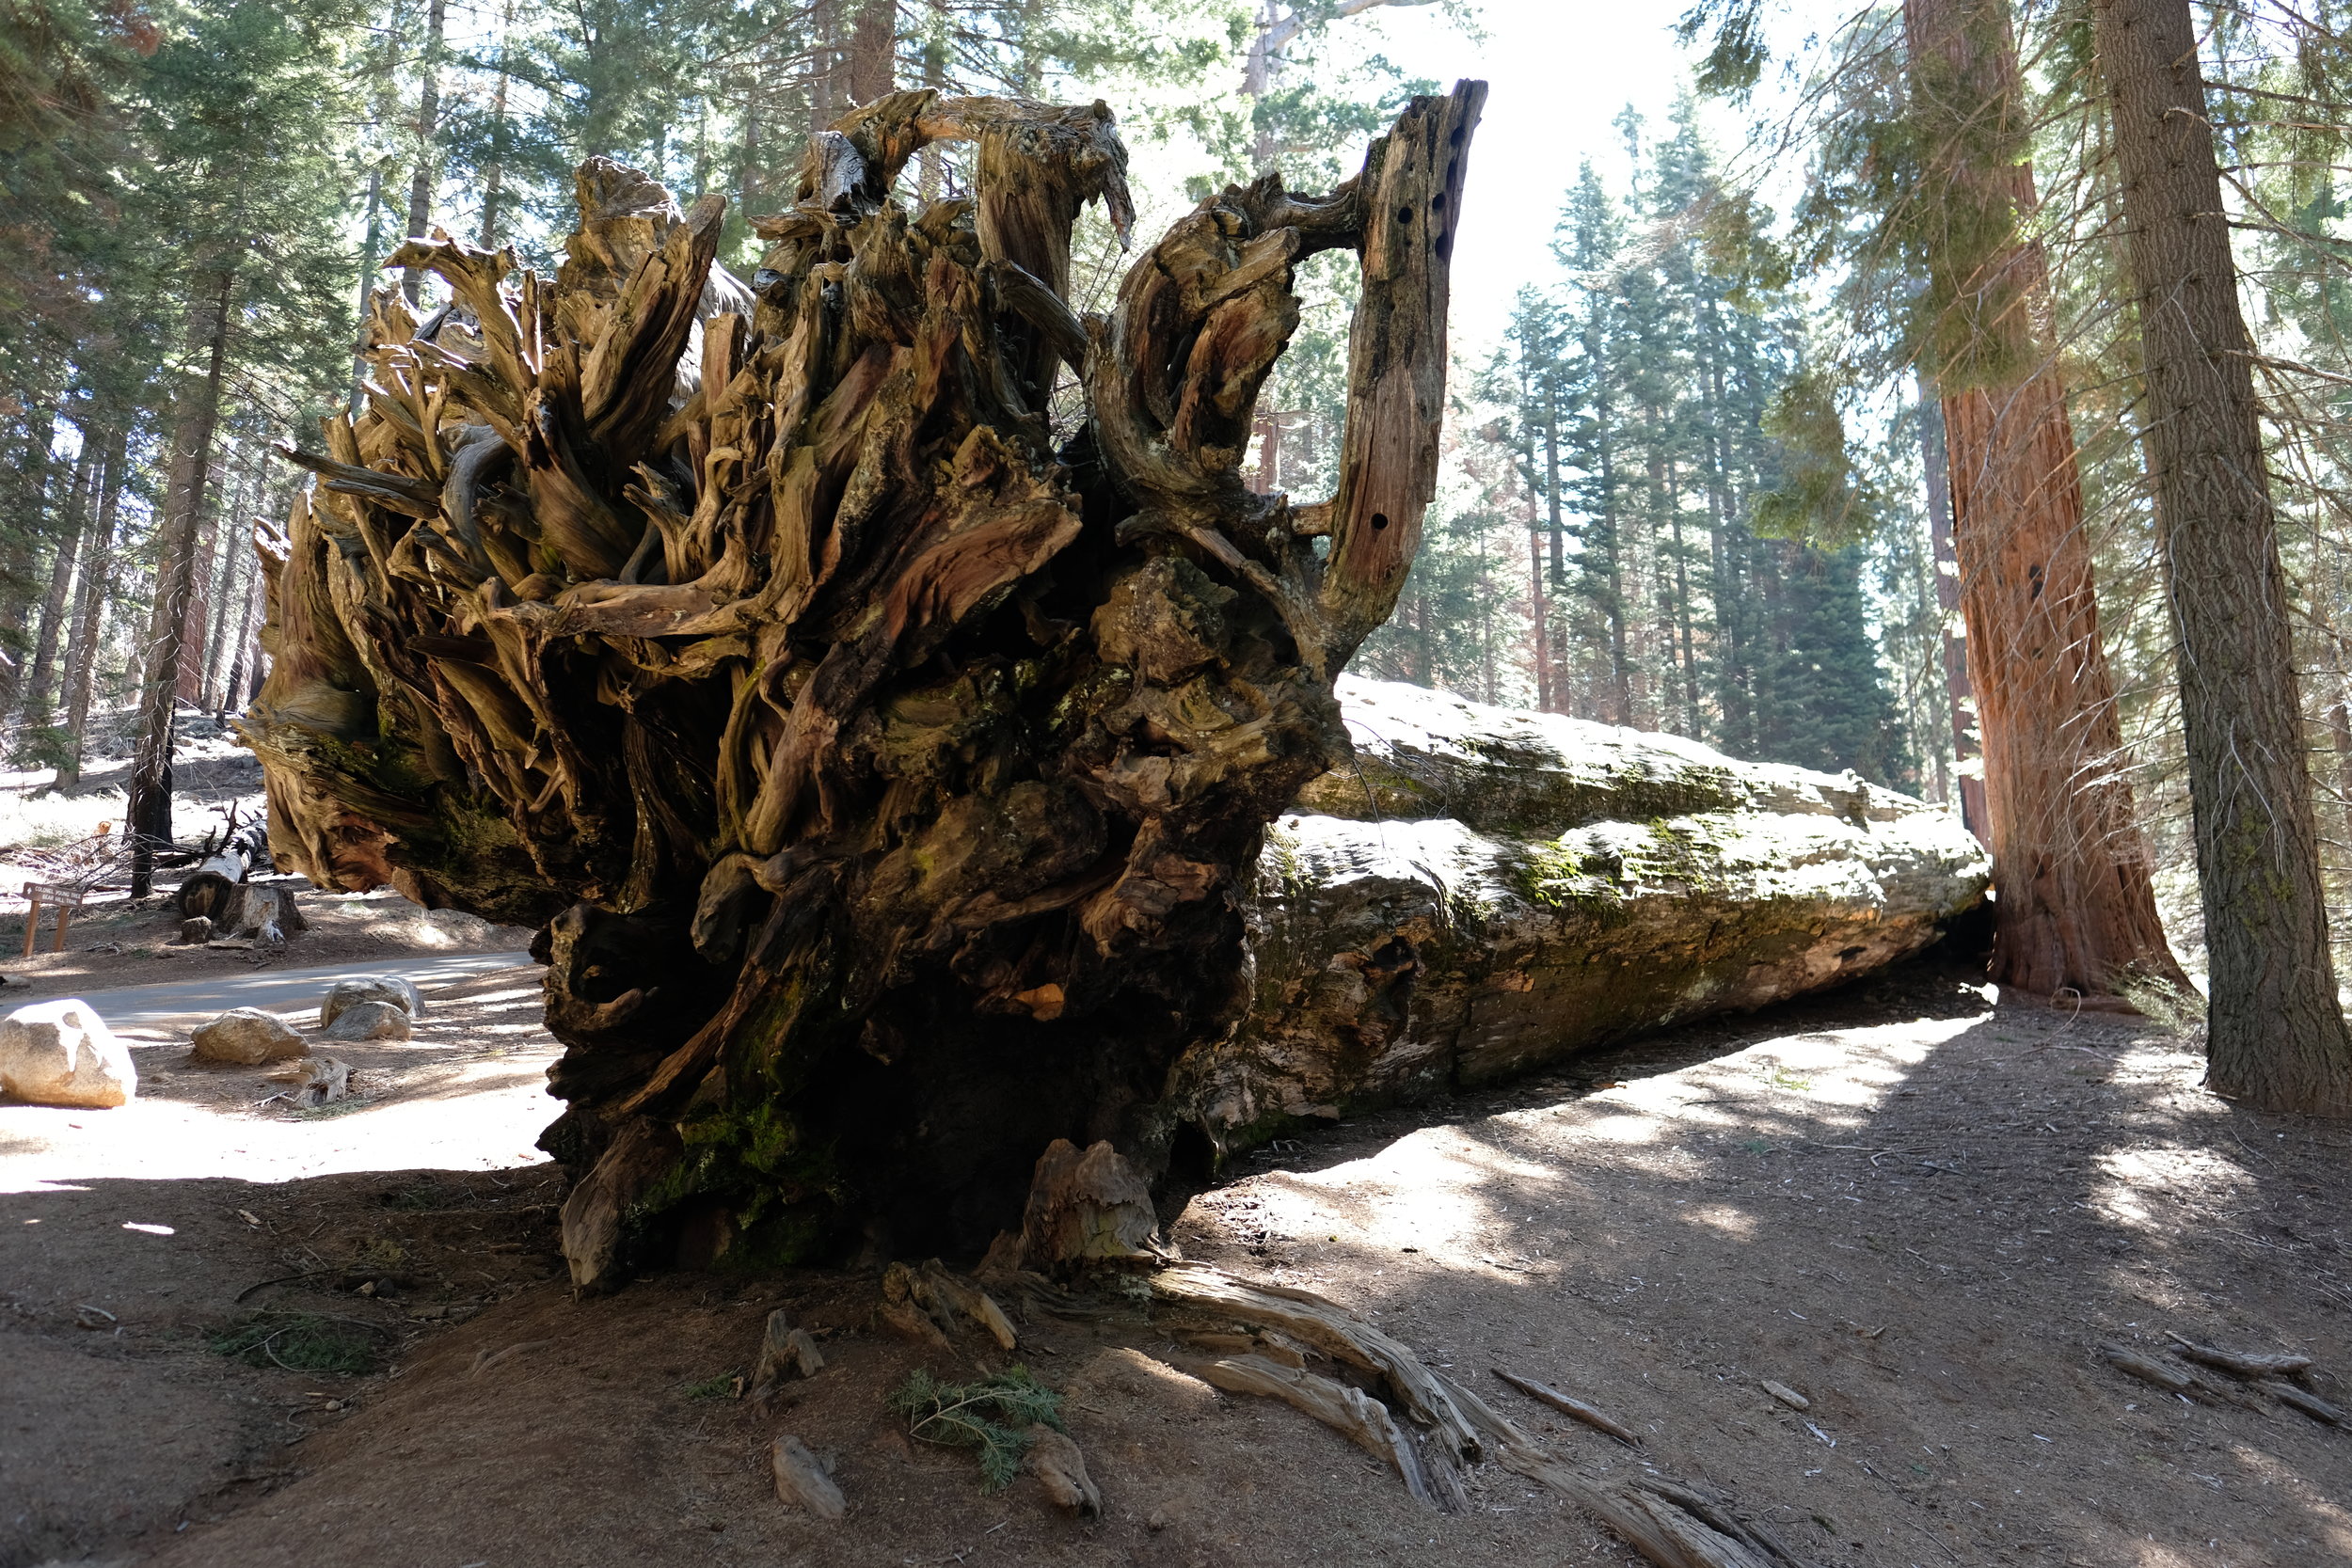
<point>1331,1329</point>
<point>1350,1412</point>
<point>801,1481</point>
<point>784,1352</point>
<point>2244,1363</point>
<point>2148,1370</point>
<point>2305,1400</point>
<point>1061,1470</point>
<point>1592,1415</point>
<point>1674,1524</point>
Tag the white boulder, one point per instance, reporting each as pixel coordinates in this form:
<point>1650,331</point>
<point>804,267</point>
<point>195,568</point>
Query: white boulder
<point>62,1054</point>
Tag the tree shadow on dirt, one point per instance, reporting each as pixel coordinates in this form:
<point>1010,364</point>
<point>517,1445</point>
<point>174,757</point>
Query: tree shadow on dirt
<point>1919,1212</point>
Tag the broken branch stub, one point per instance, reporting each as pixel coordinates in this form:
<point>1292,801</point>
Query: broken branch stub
<point>881,759</point>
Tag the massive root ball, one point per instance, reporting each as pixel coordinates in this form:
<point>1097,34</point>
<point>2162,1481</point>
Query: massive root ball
<point>880,759</point>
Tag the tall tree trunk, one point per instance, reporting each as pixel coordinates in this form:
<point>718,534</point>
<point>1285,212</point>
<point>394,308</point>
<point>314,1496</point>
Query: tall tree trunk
<point>196,641</point>
<point>55,605</point>
<point>494,177</point>
<point>369,252</point>
<point>2339,736</point>
<point>938,36</point>
<point>426,174</point>
<point>2274,1033</point>
<point>893,831</point>
<point>16,583</point>
<point>226,591</point>
<point>2076,908</point>
<point>1959,695</point>
<point>828,86</point>
<point>195,418</point>
<point>1546,697</point>
<point>874,51</point>
<point>91,611</point>
<point>241,662</point>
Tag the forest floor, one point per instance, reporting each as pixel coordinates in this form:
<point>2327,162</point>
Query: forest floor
<point>1922,1211</point>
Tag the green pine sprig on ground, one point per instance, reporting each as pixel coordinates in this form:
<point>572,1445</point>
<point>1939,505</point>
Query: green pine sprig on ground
<point>992,1415</point>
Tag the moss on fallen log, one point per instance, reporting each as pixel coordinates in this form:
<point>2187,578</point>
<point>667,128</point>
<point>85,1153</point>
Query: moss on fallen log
<point>1483,890</point>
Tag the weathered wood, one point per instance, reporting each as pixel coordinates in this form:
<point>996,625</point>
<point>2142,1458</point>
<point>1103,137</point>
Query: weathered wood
<point>1354,1414</point>
<point>1481,892</point>
<point>883,773</point>
<point>1568,1404</point>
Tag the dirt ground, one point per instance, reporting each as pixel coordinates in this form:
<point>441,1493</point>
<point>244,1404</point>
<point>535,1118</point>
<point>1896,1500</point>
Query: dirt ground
<point>1921,1210</point>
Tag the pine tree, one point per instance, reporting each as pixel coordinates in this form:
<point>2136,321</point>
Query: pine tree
<point>2275,1032</point>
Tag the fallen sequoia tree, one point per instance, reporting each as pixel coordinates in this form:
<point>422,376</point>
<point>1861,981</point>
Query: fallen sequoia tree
<point>882,745</point>
<point>887,756</point>
<point>886,750</point>
<point>1479,891</point>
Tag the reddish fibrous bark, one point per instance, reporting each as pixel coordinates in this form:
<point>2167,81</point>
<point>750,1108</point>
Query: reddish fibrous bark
<point>2076,910</point>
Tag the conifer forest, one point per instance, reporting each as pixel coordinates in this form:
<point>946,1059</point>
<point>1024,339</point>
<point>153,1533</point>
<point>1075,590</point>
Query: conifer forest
<point>850,773</point>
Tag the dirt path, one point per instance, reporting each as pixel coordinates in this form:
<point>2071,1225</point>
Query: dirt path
<point>119,946</point>
<point>290,992</point>
<point>1920,1211</point>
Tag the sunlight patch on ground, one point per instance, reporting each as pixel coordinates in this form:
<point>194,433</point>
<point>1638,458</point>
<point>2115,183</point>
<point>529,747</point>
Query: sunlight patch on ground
<point>2136,1177</point>
<point>1835,1078</point>
<point>477,1116</point>
<point>1724,1217</point>
<point>1426,1191</point>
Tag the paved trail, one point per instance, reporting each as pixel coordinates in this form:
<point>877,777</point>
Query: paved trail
<point>283,991</point>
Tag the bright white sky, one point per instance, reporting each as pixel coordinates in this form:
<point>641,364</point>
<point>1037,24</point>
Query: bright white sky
<point>1558,74</point>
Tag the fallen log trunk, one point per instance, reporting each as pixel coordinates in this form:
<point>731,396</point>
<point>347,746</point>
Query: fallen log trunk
<point>882,752</point>
<point>1481,891</point>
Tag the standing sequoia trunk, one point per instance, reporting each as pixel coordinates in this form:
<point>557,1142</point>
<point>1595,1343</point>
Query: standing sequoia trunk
<point>2274,1033</point>
<point>2076,908</point>
<point>883,762</point>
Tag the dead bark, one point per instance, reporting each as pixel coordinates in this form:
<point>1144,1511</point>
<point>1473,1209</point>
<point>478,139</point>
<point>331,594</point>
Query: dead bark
<point>2274,1033</point>
<point>883,763</point>
<point>2076,906</point>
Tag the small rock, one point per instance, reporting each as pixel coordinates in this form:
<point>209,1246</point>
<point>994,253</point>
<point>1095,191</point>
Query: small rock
<point>368,1021</point>
<point>1061,1469</point>
<point>347,993</point>
<point>247,1036</point>
<point>801,1479</point>
<point>195,931</point>
<point>62,1054</point>
<point>1786,1395</point>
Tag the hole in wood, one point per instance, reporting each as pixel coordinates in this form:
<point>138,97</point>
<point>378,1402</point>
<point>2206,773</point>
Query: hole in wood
<point>1379,520</point>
